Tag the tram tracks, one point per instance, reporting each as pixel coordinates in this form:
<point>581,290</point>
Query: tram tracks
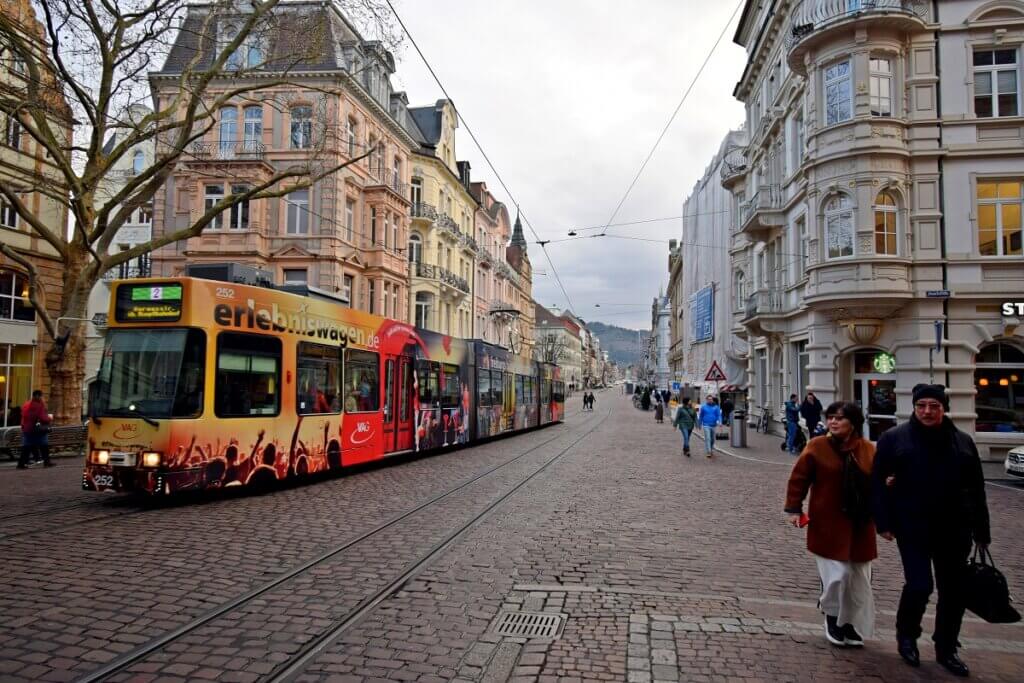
<point>304,571</point>
<point>98,504</point>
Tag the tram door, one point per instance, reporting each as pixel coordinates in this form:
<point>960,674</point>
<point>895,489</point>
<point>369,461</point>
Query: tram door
<point>405,419</point>
<point>398,417</point>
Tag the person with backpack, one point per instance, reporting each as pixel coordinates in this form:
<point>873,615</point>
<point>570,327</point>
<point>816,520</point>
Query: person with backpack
<point>684,420</point>
<point>836,471</point>
<point>35,427</point>
<point>710,416</point>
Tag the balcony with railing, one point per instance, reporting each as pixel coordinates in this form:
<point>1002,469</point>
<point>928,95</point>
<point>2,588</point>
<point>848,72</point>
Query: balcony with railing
<point>424,211</point>
<point>386,177</point>
<point>137,267</point>
<point>229,150</point>
<point>764,210</point>
<point>429,271</point>
<point>812,21</point>
<point>734,166</point>
<point>763,308</point>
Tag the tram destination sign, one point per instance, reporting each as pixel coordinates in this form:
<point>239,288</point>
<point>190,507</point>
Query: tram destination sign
<point>153,303</point>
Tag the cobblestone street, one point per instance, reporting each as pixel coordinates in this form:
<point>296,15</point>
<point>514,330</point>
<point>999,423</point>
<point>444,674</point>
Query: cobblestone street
<point>663,568</point>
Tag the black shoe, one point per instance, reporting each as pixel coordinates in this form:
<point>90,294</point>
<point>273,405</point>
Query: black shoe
<point>851,637</point>
<point>833,633</point>
<point>907,647</point>
<point>953,664</point>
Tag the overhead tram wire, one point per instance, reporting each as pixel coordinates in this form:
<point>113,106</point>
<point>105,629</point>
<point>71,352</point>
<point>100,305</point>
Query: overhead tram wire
<point>497,175</point>
<point>673,117</point>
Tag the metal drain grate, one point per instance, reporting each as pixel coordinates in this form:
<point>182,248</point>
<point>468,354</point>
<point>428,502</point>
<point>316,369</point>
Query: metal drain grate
<point>529,624</point>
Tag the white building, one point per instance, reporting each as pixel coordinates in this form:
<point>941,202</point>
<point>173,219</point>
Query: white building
<point>708,293</point>
<point>661,341</point>
<point>881,192</point>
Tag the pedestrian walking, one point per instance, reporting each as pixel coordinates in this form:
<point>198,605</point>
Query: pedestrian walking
<point>586,401</point>
<point>591,401</point>
<point>684,420</point>
<point>727,407</point>
<point>792,422</point>
<point>836,470</point>
<point>929,495</point>
<point>659,412</point>
<point>810,410</point>
<point>35,428</point>
<point>710,416</point>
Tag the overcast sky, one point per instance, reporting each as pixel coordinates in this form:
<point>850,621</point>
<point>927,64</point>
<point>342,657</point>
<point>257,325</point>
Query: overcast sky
<point>567,97</point>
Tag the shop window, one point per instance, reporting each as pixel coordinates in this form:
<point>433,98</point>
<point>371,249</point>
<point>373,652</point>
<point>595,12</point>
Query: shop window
<point>15,381</point>
<point>248,375</point>
<point>999,382</point>
<point>362,381</point>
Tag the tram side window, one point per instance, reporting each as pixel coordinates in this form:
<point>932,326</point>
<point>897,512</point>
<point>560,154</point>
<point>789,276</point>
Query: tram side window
<point>559,392</point>
<point>248,375</point>
<point>318,371</point>
<point>428,382</point>
<point>362,381</point>
<point>497,382</point>
<point>450,394</point>
<point>520,390</point>
<point>545,391</point>
<point>483,387</point>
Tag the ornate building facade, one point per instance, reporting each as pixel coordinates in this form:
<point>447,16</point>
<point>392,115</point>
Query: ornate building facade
<point>880,194</point>
<point>345,235</point>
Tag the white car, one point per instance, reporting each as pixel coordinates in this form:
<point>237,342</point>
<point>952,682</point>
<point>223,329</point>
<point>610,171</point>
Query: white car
<point>1015,461</point>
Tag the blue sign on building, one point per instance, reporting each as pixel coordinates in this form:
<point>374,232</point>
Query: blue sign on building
<point>702,315</point>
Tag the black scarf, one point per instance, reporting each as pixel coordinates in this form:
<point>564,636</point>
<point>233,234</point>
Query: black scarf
<point>856,486</point>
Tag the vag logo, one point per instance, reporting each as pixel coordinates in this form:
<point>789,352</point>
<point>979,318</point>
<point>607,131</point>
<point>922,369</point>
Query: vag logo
<point>126,430</point>
<point>361,434</point>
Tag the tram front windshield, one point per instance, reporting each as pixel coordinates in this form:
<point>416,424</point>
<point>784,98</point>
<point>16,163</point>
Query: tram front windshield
<point>152,373</point>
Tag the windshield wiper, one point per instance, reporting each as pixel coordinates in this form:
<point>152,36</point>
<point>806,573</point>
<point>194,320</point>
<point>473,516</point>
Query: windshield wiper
<point>133,409</point>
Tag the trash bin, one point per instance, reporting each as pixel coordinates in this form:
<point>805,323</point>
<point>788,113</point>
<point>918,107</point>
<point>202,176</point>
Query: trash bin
<point>738,429</point>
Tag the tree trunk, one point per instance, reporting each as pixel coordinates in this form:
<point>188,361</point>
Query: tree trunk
<point>67,373</point>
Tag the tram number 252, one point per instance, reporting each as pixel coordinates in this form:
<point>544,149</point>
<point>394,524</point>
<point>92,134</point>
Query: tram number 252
<point>103,480</point>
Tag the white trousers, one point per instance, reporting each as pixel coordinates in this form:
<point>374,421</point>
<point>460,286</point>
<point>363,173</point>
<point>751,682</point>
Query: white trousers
<point>846,593</point>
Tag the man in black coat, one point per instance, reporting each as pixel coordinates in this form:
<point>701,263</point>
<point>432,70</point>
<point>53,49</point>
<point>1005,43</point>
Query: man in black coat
<point>929,494</point>
<point>810,410</point>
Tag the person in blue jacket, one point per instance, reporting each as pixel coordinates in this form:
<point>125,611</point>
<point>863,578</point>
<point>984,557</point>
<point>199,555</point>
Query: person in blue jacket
<point>710,416</point>
<point>792,422</point>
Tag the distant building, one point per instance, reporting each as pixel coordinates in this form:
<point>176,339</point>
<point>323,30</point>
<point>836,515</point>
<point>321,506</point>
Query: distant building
<point>661,313</point>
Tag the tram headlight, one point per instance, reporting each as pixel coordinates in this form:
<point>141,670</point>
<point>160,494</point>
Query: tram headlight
<point>152,458</point>
<point>100,457</point>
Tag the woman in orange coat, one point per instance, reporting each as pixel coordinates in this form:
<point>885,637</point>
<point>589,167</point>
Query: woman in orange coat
<point>836,470</point>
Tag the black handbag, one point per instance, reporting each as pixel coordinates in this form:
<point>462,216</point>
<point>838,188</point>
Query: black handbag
<point>987,594</point>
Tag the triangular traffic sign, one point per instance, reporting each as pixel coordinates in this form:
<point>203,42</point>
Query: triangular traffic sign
<point>715,373</point>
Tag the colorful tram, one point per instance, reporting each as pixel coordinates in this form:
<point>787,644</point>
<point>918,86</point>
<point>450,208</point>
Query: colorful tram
<point>206,384</point>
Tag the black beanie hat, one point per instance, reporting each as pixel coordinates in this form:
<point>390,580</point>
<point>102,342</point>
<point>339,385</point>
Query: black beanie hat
<point>935,391</point>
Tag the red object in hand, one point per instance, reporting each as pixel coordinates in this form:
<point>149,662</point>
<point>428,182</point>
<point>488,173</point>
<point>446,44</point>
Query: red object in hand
<point>804,520</point>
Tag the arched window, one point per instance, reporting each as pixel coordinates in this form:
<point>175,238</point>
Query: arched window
<point>885,224</point>
<point>228,32</point>
<point>999,382</point>
<point>423,301</point>
<point>739,290</point>
<point>839,226</point>
<point>138,162</point>
<point>415,248</point>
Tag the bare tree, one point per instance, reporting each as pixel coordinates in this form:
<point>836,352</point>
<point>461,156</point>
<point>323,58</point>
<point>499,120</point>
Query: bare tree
<point>551,348</point>
<point>91,64</point>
